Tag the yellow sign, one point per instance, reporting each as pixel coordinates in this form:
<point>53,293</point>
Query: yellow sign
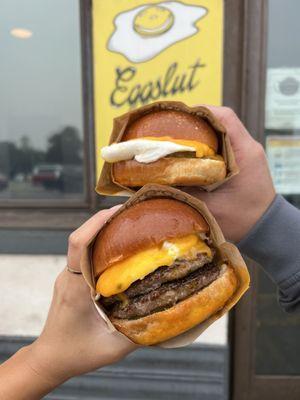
<point>148,51</point>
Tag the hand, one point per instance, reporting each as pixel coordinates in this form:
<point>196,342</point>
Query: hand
<point>239,203</point>
<point>75,339</point>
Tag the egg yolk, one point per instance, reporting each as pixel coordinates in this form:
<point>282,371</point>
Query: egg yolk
<point>153,20</point>
<point>202,149</point>
<point>120,276</point>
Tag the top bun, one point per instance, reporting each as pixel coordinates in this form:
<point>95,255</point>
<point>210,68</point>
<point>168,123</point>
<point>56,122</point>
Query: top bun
<point>177,124</point>
<point>142,226</point>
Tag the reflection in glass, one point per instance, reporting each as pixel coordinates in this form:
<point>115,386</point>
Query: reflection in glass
<point>29,172</point>
<point>41,138</point>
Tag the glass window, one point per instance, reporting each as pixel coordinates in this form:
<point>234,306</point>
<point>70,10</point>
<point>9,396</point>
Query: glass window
<point>277,333</point>
<point>41,134</point>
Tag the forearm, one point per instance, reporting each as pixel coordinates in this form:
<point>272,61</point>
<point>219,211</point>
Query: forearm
<point>274,242</point>
<point>20,381</point>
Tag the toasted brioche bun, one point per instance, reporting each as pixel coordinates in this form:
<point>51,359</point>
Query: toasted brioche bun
<point>169,171</point>
<point>176,124</point>
<point>163,325</point>
<point>141,226</point>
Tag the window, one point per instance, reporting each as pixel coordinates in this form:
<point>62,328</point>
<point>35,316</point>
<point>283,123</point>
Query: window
<point>41,124</point>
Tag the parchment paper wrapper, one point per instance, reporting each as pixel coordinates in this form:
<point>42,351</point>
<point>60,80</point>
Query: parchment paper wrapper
<point>106,184</point>
<point>227,252</point>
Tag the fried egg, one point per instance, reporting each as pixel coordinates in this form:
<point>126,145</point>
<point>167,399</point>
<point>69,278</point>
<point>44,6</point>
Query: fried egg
<point>143,151</point>
<point>149,149</point>
<point>143,32</point>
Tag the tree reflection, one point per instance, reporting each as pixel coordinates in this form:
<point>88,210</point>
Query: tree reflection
<point>64,147</point>
<point>22,162</point>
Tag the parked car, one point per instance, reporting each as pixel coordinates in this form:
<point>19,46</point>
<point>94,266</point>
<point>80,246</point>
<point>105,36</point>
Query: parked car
<point>3,181</point>
<point>48,175</point>
<point>66,178</point>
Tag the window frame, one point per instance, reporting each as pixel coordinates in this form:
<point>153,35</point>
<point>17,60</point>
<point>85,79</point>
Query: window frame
<point>69,214</point>
<point>88,200</point>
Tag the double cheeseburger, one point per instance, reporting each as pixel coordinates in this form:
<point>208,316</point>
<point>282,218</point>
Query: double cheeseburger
<point>157,271</point>
<point>168,147</point>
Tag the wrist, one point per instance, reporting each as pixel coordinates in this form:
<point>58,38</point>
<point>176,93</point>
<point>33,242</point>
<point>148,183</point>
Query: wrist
<point>247,217</point>
<point>42,364</point>
<point>22,380</point>
<point>253,213</point>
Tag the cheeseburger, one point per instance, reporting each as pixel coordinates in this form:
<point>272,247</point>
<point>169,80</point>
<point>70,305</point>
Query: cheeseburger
<point>157,271</point>
<point>169,147</point>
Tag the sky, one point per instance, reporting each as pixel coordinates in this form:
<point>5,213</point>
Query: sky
<point>40,77</point>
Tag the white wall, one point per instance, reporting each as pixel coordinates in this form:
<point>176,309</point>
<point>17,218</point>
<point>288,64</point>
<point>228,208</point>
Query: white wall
<point>26,284</point>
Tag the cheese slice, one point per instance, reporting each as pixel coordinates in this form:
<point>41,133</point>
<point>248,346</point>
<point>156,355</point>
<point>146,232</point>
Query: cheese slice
<point>202,149</point>
<point>120,276</point>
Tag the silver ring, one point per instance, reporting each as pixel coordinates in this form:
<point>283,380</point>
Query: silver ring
<point>74,271</point>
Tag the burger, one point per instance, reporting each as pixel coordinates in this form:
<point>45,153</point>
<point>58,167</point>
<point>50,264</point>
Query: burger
<point>158,272</point>
<point>169,147</point>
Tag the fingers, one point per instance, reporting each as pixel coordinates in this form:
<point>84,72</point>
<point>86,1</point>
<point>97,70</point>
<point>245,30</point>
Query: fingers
<point>229,119</point>
<point>80,238</point>
<point>234,127</point>
<point>71,288</point>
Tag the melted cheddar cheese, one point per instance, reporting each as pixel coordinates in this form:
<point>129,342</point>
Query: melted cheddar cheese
<point>120,276</point>
<point>202,149</point>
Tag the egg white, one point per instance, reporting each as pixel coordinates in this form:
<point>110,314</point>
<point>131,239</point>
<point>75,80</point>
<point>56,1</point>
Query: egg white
<point>137,48</point>
<point>142,150</point>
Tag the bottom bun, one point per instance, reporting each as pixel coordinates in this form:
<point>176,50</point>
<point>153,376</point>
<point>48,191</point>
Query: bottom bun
<point>170,171</point>
<point>164,325</point>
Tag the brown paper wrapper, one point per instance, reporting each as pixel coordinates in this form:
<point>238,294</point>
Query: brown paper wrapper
<point>226,251</point>
<point>106,184</point>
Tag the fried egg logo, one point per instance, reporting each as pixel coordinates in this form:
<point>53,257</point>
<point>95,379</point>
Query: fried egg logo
<point>142,33</point>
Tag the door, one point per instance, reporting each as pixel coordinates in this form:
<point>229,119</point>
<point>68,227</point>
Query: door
<point>266,347</point>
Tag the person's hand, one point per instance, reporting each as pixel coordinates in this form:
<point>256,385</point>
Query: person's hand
<point>239,203</point>
<point>75,339</point>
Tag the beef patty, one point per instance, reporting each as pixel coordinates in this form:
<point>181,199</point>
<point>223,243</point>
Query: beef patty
<point>179,269</point>
<point>165,293</point>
